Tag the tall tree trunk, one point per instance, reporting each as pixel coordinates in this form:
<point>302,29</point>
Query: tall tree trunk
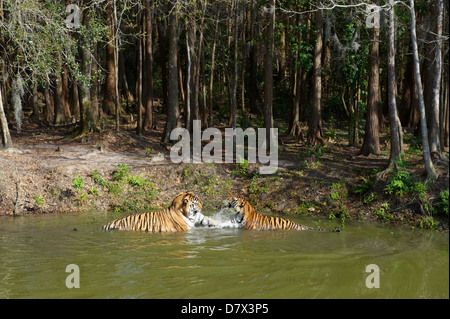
<point>233,113</point>
<point>395,126</point>
<point>173,111</point>
<point>60,115</point>
<point>315,125</point>
<point>87,123</point>
<point>438,7</point>
<point>211,72</point>
<point>431,173</point>
<point>109,92</point>
<point>148,122</point>
<point>139,76</point>
<point>94,86</point>
<point>163,56</point>
<point>371,144</point>
<point>48,104</point>
<point>6,137</point>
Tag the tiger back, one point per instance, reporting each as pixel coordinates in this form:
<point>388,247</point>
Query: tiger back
<point>183,213</point>
<point>248,218</point>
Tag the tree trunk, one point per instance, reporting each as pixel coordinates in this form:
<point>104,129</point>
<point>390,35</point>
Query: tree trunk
<point>109,93</point>
<point>87,123</point>
<point>211,73</point>
<point>315,126</point>
<point>148,121</point>
<point>94,86</point>
<point>395,126</point>
<point>437,5</point>
<point>6,137</point>
<point>162,53</point>
<point>431,173</point>
<point>371,144</point>
<point>35,105</point>
<point>48,104</point>
<point>60,115</point>
<point>139,76</point>
<point>233,113</point>
<point>172,110</point>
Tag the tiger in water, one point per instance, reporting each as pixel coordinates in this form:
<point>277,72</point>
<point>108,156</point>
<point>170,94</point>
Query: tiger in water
<point>183,214</point>
<point>247,218</point>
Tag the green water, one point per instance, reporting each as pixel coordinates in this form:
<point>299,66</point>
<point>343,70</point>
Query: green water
<point>217,263</point>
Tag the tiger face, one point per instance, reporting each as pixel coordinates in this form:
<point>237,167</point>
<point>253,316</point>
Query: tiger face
<point>242,208</point>
<point>190,206</point>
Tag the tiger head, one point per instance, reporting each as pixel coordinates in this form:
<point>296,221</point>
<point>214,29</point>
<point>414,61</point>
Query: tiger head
<point>189,205</point>
<point>243,209</point>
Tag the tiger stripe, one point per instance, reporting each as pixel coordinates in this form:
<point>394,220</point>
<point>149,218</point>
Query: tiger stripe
<point>250,219</point>
<point>172,219</point>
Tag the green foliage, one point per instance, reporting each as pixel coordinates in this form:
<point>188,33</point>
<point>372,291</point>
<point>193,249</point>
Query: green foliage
<point>241,169</point>
<point>38,200</point>
<point>77,182</point>
<point>441,207</point>
<point>400,182</point>
<point>121,173</point>
<point>98,179</point>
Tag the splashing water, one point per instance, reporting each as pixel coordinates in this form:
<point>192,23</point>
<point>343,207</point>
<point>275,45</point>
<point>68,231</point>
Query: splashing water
<point>223,215</point>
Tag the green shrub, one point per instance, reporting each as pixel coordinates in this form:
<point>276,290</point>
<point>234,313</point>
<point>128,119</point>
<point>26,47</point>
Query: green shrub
<point>77,182</point>
<point>442,205</point>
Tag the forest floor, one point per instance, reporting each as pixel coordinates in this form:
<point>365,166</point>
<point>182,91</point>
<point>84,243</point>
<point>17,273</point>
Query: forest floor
<point>122,172</point>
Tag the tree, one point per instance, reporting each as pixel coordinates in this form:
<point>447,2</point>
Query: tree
<point>438,8</point>
<point>395,125</point>
<point>6,137</point>
<point>431,173</point>
<point>87,117</point>
<point>173,111</point>
<point>371,144</point>
<point>109,94</point>
<point>148,121</point>
<point>315,123</point>
<point>268,69</point>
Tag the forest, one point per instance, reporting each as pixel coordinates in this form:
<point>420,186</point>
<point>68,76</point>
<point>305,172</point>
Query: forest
<point>368,79</point>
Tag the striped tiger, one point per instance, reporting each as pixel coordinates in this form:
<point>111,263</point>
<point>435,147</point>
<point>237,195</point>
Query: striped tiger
<point>247,218</point>
<point>183,214</point>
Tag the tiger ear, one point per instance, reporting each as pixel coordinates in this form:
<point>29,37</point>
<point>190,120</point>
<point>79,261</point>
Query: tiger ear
<point>242,204</point>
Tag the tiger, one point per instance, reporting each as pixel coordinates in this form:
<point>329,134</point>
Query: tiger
<point>247,218</point>
<point>183,214</point>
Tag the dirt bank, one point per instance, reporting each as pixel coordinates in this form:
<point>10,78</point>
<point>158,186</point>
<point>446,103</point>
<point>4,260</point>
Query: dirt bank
<point>123,172</point>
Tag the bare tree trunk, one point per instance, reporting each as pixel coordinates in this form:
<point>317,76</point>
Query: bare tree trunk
<point>139,76</point>
<point>94,86</point>
<point>48,104</point>
<point>233,114</point>
<point>87,123</point>
<point>173,111</point>
<point>437,67</point>
<point>315,126</point>
<point>148,122</point>
<point>395,127</point>
<point>187,111</point>
<point>371,144</point>
<point>431,173</point>
<point>109,93</point>
<point>6,137</point>
<point>35,105</point>
<point>60,115</point>
<point>211,74</point>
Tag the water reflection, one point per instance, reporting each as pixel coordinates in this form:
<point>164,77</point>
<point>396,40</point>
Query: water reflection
<point>217,263</point>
